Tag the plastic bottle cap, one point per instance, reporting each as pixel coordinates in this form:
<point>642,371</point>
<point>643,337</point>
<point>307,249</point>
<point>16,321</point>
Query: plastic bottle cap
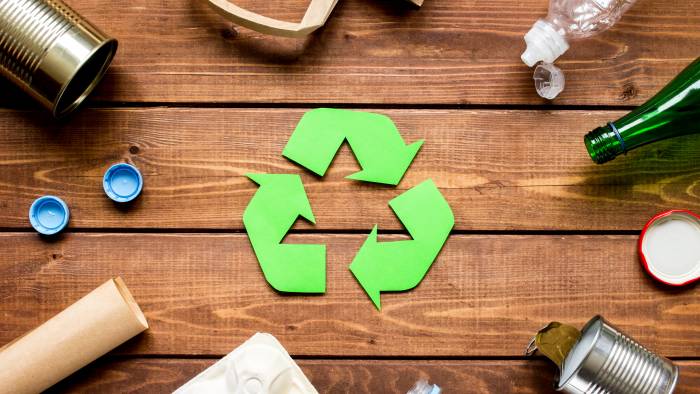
<point>122,182</point>
<point>48,215</point>
<point>423,387</point>
<point>544,43</point>
<point>549,80</point>
<point>669,247</point>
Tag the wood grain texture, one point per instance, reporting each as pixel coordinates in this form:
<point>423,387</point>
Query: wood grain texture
<point>498,169</point>
<point>485,295</point>
<point>373,51</point>
<point>347,376</point>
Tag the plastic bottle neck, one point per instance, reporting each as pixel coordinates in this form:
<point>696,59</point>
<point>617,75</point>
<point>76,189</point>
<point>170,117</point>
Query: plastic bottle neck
<point>604,143</point>
<point>544,43</point>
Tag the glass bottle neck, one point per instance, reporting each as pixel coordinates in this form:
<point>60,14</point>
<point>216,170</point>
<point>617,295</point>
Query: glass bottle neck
<point>672,112</point>
<point>604,143</point>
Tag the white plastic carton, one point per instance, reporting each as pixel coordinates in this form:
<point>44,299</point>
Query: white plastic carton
<point>259,366</point>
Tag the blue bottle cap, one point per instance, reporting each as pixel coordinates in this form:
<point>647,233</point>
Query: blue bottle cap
<point>48,215</point>
<point>122,182</point>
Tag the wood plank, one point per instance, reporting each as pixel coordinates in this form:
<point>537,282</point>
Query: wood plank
<point>499,169</point>
<point>456,52</point>
<point>486,295</point>
<point>347,376</point>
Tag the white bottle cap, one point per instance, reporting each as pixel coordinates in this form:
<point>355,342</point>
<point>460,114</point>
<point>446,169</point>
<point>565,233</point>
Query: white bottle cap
<point>549,80</point>
<point>669,247</point>
<point>259,366</point>
<point>544,43</point>
<point>423,387</point>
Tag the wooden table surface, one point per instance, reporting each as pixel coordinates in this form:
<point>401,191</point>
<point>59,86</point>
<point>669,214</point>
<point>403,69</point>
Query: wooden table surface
<point>541,232</point>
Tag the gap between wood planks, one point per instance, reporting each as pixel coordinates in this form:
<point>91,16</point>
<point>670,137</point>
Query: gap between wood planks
<point>25,105</point>
<point>145,230</point>
<point>121,357</point>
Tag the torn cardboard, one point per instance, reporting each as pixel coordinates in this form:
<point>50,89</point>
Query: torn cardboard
<point>316,16</point>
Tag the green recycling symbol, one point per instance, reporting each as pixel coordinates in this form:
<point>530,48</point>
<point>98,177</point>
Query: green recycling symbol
<point>384,158</point>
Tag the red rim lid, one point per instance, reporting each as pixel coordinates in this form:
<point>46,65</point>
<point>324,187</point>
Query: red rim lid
<point>669,247</point>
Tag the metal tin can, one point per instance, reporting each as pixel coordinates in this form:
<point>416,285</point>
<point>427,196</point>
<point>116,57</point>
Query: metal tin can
<point>605,360</point>
<point>51,52</point>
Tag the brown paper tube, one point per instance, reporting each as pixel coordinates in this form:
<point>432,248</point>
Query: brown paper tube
<point>97,323</point>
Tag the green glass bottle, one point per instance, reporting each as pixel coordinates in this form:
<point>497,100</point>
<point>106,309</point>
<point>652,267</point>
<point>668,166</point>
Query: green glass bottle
<point>672,112</point>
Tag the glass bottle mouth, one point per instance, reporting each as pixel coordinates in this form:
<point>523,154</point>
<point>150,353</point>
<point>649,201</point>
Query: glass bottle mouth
<point>603,144</point>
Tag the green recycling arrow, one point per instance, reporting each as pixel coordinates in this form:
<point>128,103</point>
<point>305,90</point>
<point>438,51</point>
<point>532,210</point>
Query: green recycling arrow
<point>401,265</point>
<point>374,140</point>
<point>268,217</point>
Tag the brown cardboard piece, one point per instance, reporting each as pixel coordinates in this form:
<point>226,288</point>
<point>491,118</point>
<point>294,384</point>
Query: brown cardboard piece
<point>97,323</point>
<point>316,16</point>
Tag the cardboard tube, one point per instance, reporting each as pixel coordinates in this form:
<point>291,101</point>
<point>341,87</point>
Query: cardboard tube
<point>97,323</point>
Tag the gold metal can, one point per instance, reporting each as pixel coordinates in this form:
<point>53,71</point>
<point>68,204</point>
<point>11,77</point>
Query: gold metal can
<point>52,53</point>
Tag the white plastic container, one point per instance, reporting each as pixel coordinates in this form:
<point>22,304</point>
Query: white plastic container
<point>260,365</point>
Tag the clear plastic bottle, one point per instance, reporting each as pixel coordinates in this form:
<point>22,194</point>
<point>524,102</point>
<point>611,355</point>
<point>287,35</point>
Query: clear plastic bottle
<point>570,19</point>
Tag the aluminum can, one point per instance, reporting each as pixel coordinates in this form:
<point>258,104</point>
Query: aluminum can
<point>52,53</point>
<point>605,360</point>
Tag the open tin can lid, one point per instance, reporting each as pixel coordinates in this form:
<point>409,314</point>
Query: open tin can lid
<point>669,247</point>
